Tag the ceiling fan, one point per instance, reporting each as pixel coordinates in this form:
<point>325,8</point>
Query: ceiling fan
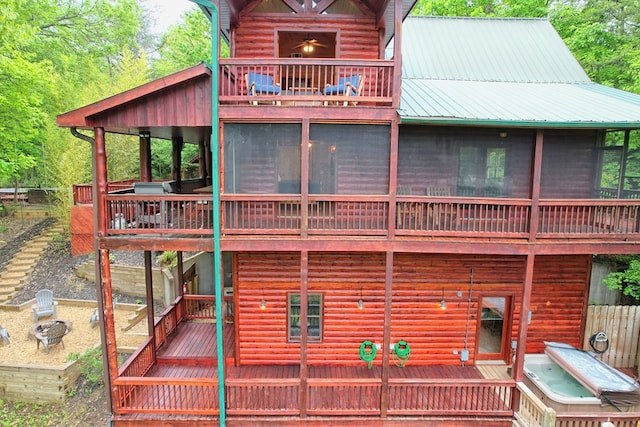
<point>309,44</point>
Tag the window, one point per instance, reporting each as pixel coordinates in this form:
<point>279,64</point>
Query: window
<point>314,317</point>
<point>481,171</point>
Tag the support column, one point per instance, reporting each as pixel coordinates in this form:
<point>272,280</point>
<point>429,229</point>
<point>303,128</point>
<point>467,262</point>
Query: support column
<point>145,157</point>
<point>108,322</point>
<point>148,278</point>
<point>103,276</point>
<point>304,179</point>
<point>203,172</point>
<point>536,179</point>
<point>623,165</point>
<point>304,334</point>
<point>176,162</point>
<point>393,179</point>
<point>180,281</point>
<point>386,339</point>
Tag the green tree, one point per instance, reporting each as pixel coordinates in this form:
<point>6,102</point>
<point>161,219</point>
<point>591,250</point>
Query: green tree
<point>186,44</point>
<point>47,51</point>
<point>628,279</point>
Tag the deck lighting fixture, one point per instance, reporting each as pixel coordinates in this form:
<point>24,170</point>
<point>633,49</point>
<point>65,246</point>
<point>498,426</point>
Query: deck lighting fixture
<point>443,303</point>
<point>307,48</point>
<point>360,301</point>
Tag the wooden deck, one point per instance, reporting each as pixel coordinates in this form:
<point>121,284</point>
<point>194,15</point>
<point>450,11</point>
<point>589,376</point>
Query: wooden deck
<point>183,382</point>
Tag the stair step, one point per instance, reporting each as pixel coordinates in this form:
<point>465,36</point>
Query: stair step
<point>21,262</point>
<point>14,275</point>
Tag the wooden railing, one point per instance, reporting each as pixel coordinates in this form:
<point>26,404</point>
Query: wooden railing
<point>343,396</point>
<point>168,322</point>
<point>140,362</point>
<point>532,412</point>
<point>199,306</point>
<point>468,397</point>
<point>339,215</point>
<point>262,396</point>
<point>455,216</point>
<point>302,82</point>
<point>135,395</point>
<point>588,218</point>
<point>83,193</point>
<point>185,214</point>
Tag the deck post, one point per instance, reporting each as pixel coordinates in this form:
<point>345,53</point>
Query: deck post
<point>536,180</point>
<point>386,339</point>
<point>145,157</point>
<point>304,336</point>
<point>100,188</point>
<point>148,278</point>
<point>518,365</point>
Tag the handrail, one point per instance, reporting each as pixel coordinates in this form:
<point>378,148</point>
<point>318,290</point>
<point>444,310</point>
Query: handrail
<point>344,215</point>
<point>302,81</point>
<point>532,411</point>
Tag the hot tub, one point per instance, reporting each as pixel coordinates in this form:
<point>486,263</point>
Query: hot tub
<point>556,387</point>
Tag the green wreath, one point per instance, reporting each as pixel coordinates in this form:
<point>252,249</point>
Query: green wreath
<point>401,352</point>
<point>368,352</point>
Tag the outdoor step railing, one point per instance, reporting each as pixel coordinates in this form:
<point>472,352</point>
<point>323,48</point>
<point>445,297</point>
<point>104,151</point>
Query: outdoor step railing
<point>339,215</point>
<point>302,82</point>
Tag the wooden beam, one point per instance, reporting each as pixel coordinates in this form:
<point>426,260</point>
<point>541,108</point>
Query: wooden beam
<point>107,318</point>
<point>148,279</point>
<point>176,161</point>
<point>304,336</point>
<point>535,184</point>
<point>386,340</point>
<point>304,179</point>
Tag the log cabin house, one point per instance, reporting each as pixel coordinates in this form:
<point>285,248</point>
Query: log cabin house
<point>424,194</point>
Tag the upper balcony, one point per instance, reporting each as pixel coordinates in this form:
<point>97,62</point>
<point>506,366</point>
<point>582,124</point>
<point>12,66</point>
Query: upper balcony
<point>300,82</point>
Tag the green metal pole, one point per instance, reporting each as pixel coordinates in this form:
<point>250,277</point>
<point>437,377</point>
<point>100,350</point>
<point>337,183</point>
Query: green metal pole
<point>215,184</point>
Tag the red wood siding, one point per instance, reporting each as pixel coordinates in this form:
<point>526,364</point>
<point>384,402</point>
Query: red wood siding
<point>560,288</point>
<point>81,221</point>
<point>255,37</point>
<point>188,104</point>
<point>418,282</point>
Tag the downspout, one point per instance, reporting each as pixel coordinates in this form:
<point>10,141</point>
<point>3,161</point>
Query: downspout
<point>215,185</point>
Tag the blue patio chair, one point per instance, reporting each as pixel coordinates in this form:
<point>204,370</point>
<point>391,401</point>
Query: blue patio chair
<point>347,86</point>
<point>45,305</point>
<point>261,84</point>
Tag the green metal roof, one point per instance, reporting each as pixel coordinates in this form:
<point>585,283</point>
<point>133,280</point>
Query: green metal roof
<point>503,72</point>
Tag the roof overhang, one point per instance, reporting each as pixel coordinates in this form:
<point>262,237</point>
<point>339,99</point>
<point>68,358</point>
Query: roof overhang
<point>229,10</point>
<point>515,104</point>
<point>162,108</point>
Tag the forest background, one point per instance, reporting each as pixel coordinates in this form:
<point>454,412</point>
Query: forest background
<point>58,55</point>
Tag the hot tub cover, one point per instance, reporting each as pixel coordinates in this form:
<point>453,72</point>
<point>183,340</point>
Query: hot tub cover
<point>609,384</point>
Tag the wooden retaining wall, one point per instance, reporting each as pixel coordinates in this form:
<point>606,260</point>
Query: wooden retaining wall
<point>127,279</point>
<point>30,383</point>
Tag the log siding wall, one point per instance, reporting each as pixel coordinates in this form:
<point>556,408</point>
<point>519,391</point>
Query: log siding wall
<point>256,36</point>
<point>560,286</point>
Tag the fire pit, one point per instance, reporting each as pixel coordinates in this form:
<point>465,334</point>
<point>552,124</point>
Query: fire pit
<point>40,328</point>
